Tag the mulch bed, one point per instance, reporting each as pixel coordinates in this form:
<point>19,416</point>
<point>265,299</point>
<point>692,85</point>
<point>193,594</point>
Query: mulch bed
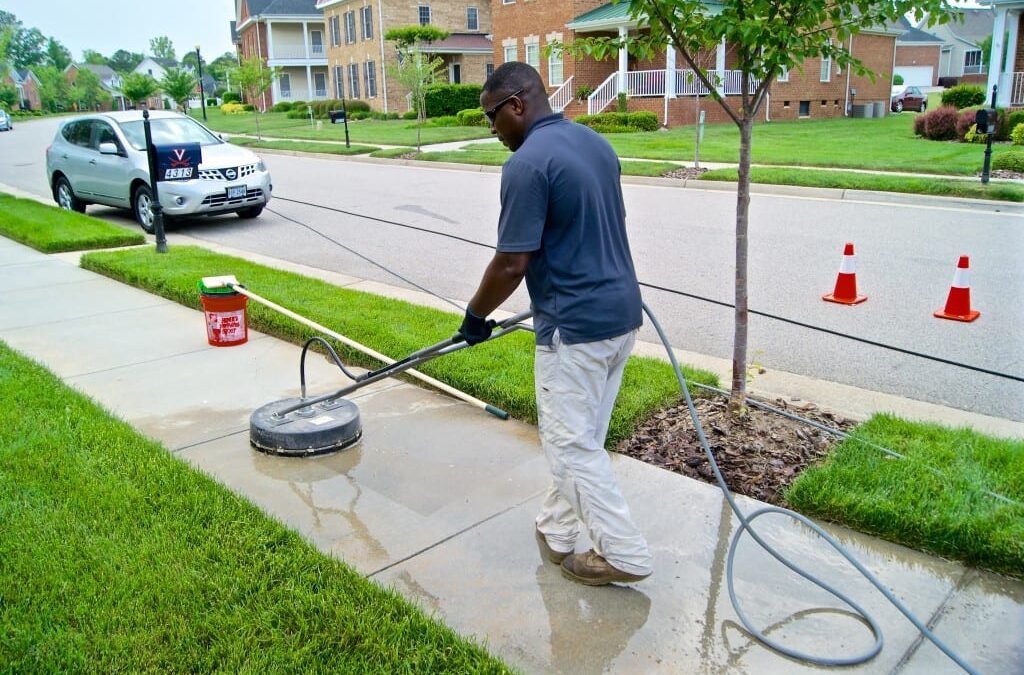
<point>759,454</point>
<point>683,173</point>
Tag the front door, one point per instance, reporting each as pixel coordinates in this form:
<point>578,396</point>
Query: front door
<point>456,73</point>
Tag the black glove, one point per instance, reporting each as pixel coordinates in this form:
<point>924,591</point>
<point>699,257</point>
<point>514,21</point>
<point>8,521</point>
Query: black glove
<point>475,329</point>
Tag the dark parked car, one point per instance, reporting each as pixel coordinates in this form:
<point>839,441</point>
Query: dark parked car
<point>908,98</point>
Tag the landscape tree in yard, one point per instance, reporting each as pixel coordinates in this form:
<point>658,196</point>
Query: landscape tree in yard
<point>57,55</point>
<point>138,87</point>
<point>179,84</point>
<point>124,61</point>
<point>8,96</point>
<point>88,91</point>
<point>54,92</point>
<point>93,57</point>
<point>415,71</point>
<point>765,37</point>
<point>254,78</point>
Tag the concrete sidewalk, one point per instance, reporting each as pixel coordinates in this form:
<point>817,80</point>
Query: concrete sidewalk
<point>438,500</point>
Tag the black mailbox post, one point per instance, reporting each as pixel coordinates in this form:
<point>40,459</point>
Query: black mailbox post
<point>340,116</point>
<point>985,122</point>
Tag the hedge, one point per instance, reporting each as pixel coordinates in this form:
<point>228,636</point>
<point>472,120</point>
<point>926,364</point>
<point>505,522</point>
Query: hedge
<point>1009,161</point>
<point>613,122</point>
<point>231,97</point>
<point>963,96</point>
<point>449,99</point>
<point>472,117</point>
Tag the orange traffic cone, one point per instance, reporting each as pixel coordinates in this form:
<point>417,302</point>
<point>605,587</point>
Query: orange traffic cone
<point>846,282</point>
<point>958,304</point>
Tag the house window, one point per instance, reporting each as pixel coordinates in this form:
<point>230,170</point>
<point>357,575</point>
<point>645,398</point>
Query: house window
<point>783,75</point>
<point>285,82</point>
<point>350,27</point>
<point>490,69</point>
<point>424,15</point>
<point>335,30</point>
<point>472,18</point>
<point>826,66</point>
<point>805,108</point>
<point>972,62</point>
<point>371,79</point>
<point>353,79</point>
<point>555,75</point>
<point>316,42</point>
<point>508,2</point>
<point>367,23</point>
<point>533,54</point>
<point>511,53</point>
<point>320,84</point>
<point>339,82</point>
<point>455,74</point>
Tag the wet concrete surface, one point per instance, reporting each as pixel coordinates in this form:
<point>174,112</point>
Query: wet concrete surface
<point>438,500</point>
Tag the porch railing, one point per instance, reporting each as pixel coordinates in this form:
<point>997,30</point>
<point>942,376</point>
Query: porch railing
<point>562,96</point>
<point>603,95</point>
<point>297,52</point>
<point>1017,89</point>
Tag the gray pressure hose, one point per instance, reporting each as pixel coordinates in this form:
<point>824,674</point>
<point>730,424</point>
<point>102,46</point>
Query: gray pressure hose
<point>745,526</point>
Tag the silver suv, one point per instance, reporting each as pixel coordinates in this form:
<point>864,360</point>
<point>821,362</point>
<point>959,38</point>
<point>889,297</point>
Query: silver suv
<point>101,159</point>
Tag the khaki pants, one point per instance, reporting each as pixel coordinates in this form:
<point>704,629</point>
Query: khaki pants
<point>576,389</point>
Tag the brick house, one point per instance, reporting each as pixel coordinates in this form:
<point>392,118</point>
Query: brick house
<point>960,60</point>
<point>359,57</point>
<point>917,55</point>
<point>286,34</point>
<point>25,81</point>
<point>109,79</point>
<point>522,28</point>
<point>1008,40</point>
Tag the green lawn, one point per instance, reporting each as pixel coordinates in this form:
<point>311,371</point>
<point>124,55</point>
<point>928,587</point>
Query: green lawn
<point>500,373</point>
<point>886,144</point>
<point>117,557</point>
<point>306,146</point>
<point>52,230</point>
<point>379,132</point>
<point>861,181</point>
<point>902,500</point>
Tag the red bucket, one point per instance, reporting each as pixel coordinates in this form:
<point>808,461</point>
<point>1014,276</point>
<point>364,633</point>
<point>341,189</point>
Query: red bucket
<point>227,323</point>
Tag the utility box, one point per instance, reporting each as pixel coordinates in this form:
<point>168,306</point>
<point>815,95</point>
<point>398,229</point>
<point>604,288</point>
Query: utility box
<point>879,108</point>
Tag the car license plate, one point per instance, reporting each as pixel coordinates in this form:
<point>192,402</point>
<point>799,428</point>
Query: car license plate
<point>236,192</point>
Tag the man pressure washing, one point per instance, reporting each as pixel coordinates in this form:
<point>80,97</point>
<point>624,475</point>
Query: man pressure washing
<point>562,226</point>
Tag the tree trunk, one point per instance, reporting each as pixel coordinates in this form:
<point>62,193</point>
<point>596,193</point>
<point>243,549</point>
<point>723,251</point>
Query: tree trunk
<point>738,394</point>
<point>256,112</point>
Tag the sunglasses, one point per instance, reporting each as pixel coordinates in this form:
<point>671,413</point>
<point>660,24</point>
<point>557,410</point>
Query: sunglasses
<point>493,112</point>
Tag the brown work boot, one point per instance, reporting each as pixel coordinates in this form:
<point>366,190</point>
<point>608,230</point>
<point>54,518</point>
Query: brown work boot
<point>592,570</point>
<point>545,549</point>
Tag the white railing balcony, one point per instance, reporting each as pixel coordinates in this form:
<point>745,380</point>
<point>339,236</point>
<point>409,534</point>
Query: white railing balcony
<point>603,95</point>
<point>562,96</point>
<point>978,69</point>
<point>645,83</point>
<point>316,50</point>
<point>297,52</point>
<point>1017,89</point>
<point>320,93</point>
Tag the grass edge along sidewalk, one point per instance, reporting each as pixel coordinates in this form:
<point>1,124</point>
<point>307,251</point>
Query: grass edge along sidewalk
<point>115,555</point>
<point>53,230</point>
<point>500,373</point>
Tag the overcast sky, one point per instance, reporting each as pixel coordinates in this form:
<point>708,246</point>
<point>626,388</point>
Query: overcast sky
<point>109,25</point>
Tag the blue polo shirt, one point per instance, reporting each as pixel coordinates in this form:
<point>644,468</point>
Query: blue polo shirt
<point>561,200</point>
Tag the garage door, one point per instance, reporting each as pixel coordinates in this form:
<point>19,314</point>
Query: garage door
<point>915,76</point>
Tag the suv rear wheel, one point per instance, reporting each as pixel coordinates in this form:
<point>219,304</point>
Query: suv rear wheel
<point>65,196</point>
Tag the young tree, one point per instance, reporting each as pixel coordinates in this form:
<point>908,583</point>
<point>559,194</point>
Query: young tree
<point>54,92</point>
<point>254,78</point>
<point>162,47</point>
<point>415,71</point>
<point>179,84</point>
<point>766,36</point>
<point>139,87</point>
<point>88,90</point>
<point>8,96</point>
<point>220,66</point>
<point>57,55</point>
<point>124,61</point>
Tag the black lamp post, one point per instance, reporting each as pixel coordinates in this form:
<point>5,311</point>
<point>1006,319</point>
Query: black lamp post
<point>155,207</point>
<point>202,89</point>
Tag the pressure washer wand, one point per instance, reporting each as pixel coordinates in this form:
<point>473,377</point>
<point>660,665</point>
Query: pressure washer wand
<point>443,348</point>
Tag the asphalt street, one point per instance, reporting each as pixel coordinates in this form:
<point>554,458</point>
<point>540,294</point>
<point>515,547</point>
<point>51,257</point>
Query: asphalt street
<point>681,239</point>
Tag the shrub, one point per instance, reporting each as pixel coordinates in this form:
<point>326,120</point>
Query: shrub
<point>449,99</point>
<point>443,121</point>
<point>298,104</point>
<point>472,117</point>
<point>614,122</point>
<point>973,136</point>
<point>283,106</point>
<point>919,124</point>
<point>409,115</point>
<point>940,124</point>
<point>963,95</point>
<point>1017,135</point>
<point>249,107</point>
<point>358,115</point>
<point>964,122</point>
<point>231,97</point>
<point>897,80</point>
<point>232,108</point>
<point>1009,161</point>
<point>584,91</point>
<point>622,102</point>
<point>210,102</point>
